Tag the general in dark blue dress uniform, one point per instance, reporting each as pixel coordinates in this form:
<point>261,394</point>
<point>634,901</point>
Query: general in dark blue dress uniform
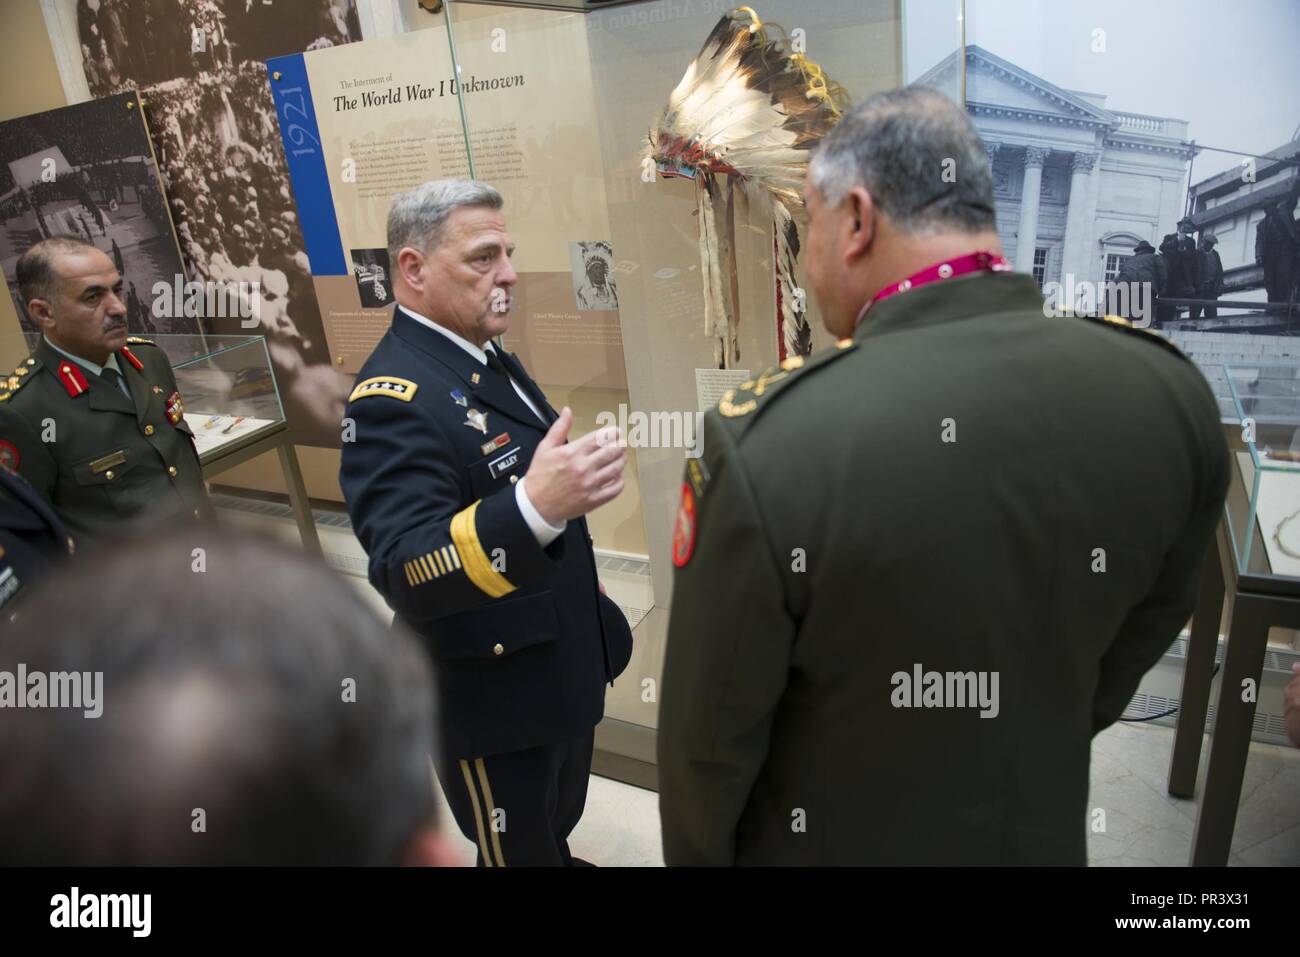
<point>494,573</point>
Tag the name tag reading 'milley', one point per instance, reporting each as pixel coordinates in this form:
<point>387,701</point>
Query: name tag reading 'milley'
<point>502,464</point>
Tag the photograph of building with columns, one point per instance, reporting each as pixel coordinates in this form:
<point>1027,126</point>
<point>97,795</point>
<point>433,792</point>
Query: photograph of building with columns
<point>1082,188</point>
<point>1078,185</point>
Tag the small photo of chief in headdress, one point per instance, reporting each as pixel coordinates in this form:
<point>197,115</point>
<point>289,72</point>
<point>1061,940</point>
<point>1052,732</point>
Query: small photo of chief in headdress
<point>374,280</point>
<point>593,275</point>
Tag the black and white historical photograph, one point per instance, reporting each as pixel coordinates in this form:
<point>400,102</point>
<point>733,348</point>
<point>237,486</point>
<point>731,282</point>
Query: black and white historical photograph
<point>1155,142</point>
<point>593,275</point>
<point>212,120</point>
<point>374,281</point>
<point>88,171</point>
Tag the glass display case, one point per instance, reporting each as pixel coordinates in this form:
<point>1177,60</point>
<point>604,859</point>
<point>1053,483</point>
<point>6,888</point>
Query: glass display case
<point>1263,507</point>
<point>234,409</point>
<point>614,314</point>
<point>230,392</point>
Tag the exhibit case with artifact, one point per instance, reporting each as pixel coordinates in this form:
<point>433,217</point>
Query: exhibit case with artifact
<point>652,158</point>
<point>232,405</point>
<point>1263,506</point>
<point>231,398</point>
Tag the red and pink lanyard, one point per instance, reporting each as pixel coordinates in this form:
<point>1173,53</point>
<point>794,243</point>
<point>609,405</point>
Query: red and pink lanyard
<point>952,268</point>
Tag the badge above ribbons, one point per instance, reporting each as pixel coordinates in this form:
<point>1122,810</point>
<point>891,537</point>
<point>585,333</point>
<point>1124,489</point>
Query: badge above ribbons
<point>175,408</point>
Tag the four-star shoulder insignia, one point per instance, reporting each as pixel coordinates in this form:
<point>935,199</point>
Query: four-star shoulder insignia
<point>1123,325</point>
<point>390,386</point>
<point>749,395</point>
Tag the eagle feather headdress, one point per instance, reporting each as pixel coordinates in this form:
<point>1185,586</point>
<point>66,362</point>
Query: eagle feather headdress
<point>748,110</point>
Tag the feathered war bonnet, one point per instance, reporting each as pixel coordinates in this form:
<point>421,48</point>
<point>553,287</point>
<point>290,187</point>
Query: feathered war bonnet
<point>748,110</point>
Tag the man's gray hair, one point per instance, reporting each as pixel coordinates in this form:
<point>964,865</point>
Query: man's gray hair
<point>35,268</point>
<point>417,217</point>
<point>918,155</point>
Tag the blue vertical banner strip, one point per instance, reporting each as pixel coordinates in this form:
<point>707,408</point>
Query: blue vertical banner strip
<point>291,91</point>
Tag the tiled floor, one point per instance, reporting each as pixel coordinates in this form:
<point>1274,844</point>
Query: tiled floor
<point>1143,825</point>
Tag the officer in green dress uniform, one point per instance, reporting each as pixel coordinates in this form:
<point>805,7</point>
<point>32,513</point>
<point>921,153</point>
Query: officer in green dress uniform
<point>918,572</point>
<point>93,419</point>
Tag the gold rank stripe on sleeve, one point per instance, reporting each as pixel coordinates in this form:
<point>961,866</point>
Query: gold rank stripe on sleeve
<point>390,386</point>
<point>464,534</point>
<point>432,565</point>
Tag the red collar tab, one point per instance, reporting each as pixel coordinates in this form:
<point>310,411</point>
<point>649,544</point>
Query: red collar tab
<point>73,379</point>
<point>949,269</point>
<point>130,357</point>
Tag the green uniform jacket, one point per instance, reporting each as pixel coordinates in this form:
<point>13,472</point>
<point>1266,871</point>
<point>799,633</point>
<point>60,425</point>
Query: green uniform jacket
<point>100,459</point>
<point>967,486</point>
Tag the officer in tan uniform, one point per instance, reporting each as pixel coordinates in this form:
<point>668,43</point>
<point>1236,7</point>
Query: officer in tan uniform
<point>93,419</point>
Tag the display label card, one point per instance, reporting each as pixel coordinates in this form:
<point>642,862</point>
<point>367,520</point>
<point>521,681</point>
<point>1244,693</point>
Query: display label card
<point>712,384</point>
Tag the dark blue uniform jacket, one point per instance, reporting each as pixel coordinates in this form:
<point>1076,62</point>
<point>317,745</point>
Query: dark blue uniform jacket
<point>521,646</point>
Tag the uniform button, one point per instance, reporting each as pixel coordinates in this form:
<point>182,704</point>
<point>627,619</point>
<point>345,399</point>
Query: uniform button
<point>497,649</point>
<point>197,514</point>
<point>109,475</point>
<point>148,430</point>
<point>171,470</point>
<point>514,479</point>
<point>72,546</point>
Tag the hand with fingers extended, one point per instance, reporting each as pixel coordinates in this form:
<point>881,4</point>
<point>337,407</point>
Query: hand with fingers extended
<point>568,479</point>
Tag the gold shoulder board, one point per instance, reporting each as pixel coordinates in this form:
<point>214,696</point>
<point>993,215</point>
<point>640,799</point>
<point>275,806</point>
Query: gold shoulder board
<point>747,397</point>
<point>1148,335</point>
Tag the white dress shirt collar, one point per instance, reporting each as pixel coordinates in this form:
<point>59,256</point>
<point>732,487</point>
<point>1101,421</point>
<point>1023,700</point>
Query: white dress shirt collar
<point>478,352</point>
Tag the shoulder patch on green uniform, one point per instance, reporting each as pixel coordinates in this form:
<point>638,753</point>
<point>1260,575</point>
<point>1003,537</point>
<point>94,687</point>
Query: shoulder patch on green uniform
<point>22,375</point>
<point>137,341</point>
<point>697,473</point>
<point>1123,325</point>
<point>390,386</point>
<point>750,395</point>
